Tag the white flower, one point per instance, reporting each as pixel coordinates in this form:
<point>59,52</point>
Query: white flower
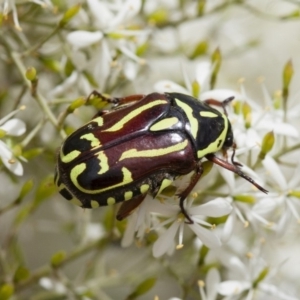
<point>251,277</point>
<point>261,120</point>
<point>166,239</point>
<point>11,127</point>
<point>10,5</point>
<point>211,285</point>
<point>286,196</point>
<point>110,38</point>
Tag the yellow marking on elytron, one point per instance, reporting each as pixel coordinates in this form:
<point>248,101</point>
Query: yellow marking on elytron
<point>208,114</point>
<point>76,202</point>
<point>94,204</point>
<point>164,124</point>
<point>189,113</point>
<point>134,153</point>
<point>119,125</point>
<point>166,182</point>
<point>103,162</point>
<point>144,188</point>
<point>79,169</point>
<point>70,156</point>
<point>213,147</point>
<point>90,137</point>
<point>110,201</point>
<point>98,120</point>
<point>128,195</point>
<point>61,187</point>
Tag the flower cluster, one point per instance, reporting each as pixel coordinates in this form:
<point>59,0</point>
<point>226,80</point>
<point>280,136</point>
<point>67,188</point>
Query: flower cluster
<point>228,239</point>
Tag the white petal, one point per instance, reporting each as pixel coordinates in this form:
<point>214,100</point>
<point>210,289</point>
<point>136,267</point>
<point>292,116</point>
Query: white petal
<point>228,227</point>
<point>130,70</point>
<point>273,290</point>
<point>228,177</point>
<point>208,237</point>
<point>214,208</point>
<point>101,13</point>
<point>128,236</point>
<point>219,94</point>
<point>80,38</point>
<point>212,281</point>
<point>274,171</point>
<point>280,128</point>
<point>6,155</point>
<point>163,243</point>
<point>169,86</point>
<point>203,71</point>
<point>238,267</point>
<point>265,206</point>
<point>128,10</point>
<point>233,287</point>
<point>14,127</point>
<point>69,82</point>
<point>103,64</point>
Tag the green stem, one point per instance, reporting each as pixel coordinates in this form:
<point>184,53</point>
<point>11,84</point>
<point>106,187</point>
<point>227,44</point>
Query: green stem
<point>48,269</point>
<point>37,96</point>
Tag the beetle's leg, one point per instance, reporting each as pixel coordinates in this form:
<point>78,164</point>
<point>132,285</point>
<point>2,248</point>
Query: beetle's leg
<point>116,100</point>
<point>183,195</point>
<point>128,206</point>
<point>233,168</point>
<point>232,156</point>
<point>222,104</point>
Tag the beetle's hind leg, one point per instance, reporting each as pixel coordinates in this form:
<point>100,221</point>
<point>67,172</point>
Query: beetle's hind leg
<point>183,195</point>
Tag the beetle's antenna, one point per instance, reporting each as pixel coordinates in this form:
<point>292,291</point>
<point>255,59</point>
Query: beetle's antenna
<point>233,168</point>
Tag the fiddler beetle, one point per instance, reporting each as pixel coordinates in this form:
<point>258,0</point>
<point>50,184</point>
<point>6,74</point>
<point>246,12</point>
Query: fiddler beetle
<point>140,146</point>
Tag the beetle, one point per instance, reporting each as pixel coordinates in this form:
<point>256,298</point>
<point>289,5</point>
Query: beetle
<point>140,146</point>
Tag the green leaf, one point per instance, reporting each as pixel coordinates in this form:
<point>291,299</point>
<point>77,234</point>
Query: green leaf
<point>69,68</point>
<point>141,49</point>
<point>26,188</point>
<point>142,288</point>
<point>262,275</point>
<point>196,88</point>
<point>245,199</point>
<point>69,14</point>
<point>6,291</point>
<point>216,60</point>
<point>58,258</point>
<point>159,17</point>
<point>247,114</point>
<point>22,273</point>
<point>31,74</point>
<point>201,7</point>
<point>294,193</point>
<point>200,49</point>
<point>287,75</point>
<point>32,153</point>
<point>267,144</point>
<point>46,189</point>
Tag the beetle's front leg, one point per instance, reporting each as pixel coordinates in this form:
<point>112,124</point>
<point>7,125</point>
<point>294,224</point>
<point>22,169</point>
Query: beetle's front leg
<point>222,104</point>
<point>183,195</point>
<point>233,168</point>
<point>115,100</point>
